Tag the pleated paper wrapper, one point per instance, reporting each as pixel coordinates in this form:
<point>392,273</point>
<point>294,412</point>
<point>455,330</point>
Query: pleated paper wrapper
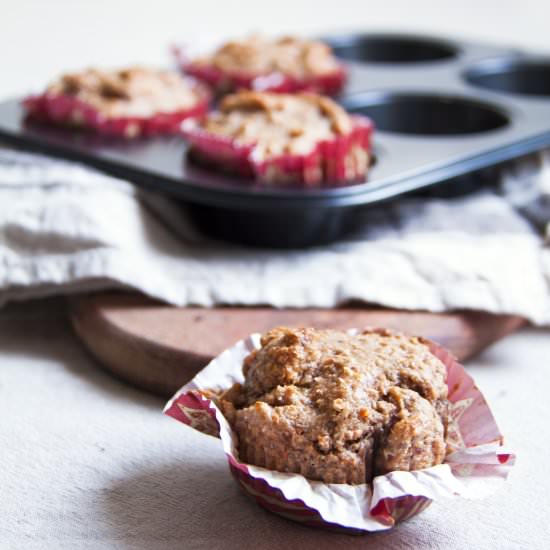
<point>475,470</point>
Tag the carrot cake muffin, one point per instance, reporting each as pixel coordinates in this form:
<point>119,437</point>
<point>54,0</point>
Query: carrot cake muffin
<point>286,64</point>
<point>129,102</point>
<point>283,139</point>
<point>340,408</point>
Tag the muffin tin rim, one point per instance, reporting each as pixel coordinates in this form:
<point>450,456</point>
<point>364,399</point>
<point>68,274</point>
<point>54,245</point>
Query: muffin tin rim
<point>250,196</point>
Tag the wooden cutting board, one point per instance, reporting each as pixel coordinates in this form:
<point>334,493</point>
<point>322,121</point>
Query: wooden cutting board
<point>159,348</point>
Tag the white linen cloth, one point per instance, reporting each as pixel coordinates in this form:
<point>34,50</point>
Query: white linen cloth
<point>66,228</point>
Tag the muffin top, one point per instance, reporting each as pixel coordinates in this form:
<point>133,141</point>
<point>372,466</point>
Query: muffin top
<point>340,408</point>
<point>132,92</point>
<point>278,123</point>
<point>259,55</point>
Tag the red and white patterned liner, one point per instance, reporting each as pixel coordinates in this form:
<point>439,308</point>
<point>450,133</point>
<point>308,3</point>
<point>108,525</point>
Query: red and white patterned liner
<point>66,110</point>
<point>221,81</point>
<point>478,466</point>
<point>225,153</point>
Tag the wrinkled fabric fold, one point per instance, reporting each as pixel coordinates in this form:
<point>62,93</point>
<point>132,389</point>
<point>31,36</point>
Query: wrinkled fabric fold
<point>65,228</point>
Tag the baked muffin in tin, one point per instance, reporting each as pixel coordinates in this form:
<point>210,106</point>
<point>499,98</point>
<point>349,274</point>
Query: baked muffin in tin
<point>130,102</point>
<point>340,408</point>
<point>286,64</point>
<point>282,139</point>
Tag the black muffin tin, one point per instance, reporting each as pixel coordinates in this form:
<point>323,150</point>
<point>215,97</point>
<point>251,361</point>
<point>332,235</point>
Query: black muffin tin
<point>443,109</point>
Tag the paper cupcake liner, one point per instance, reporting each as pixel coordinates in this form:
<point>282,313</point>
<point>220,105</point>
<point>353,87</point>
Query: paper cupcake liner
<point>223,82</point>
<point>342,160</point>
<point>66,110</point>
<point>477,467</point>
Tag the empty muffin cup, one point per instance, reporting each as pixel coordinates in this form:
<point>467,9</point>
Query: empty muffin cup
<point>525,76</point>
<point>426,114</point>
<point>389,48</point>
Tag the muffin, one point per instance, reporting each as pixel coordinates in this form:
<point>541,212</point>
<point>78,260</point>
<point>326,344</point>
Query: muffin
<point>129,102</point>
<point>340,408</point>
<point>345,407</point>
<point>282,139</point>
<point>286,64</point>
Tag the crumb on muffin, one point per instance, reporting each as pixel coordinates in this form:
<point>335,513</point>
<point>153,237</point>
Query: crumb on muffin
<point>340,408</point>
<point>298,57</point>
<point>277,123</point>
<point>315,138</point>
<point>136,91</point>
<point>285,64</point>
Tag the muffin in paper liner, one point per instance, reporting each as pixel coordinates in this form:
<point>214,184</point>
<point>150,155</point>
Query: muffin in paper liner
<point>69,111</point>
<point>340,161</point>
<point>474,470</point>
<point>223,82</point>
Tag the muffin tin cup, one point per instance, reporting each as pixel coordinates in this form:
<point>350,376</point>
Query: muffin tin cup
<point>527,76</point>
<point>474,470</point>
<point>388,49</point>
<point>67,110</point>
<point>334,160</point>
<point>223,81</point>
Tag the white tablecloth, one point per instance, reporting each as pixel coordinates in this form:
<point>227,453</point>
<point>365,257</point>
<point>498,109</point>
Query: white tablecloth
<point>87,462</point>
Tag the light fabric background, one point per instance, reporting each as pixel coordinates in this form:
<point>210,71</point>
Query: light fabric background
<point>86,462</point>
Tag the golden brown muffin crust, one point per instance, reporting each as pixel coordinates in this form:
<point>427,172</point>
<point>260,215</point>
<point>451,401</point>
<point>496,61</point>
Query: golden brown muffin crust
<point>278,123</point>
<point>340,408</point>
<point>297,57</point>
<point>136,91</point>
